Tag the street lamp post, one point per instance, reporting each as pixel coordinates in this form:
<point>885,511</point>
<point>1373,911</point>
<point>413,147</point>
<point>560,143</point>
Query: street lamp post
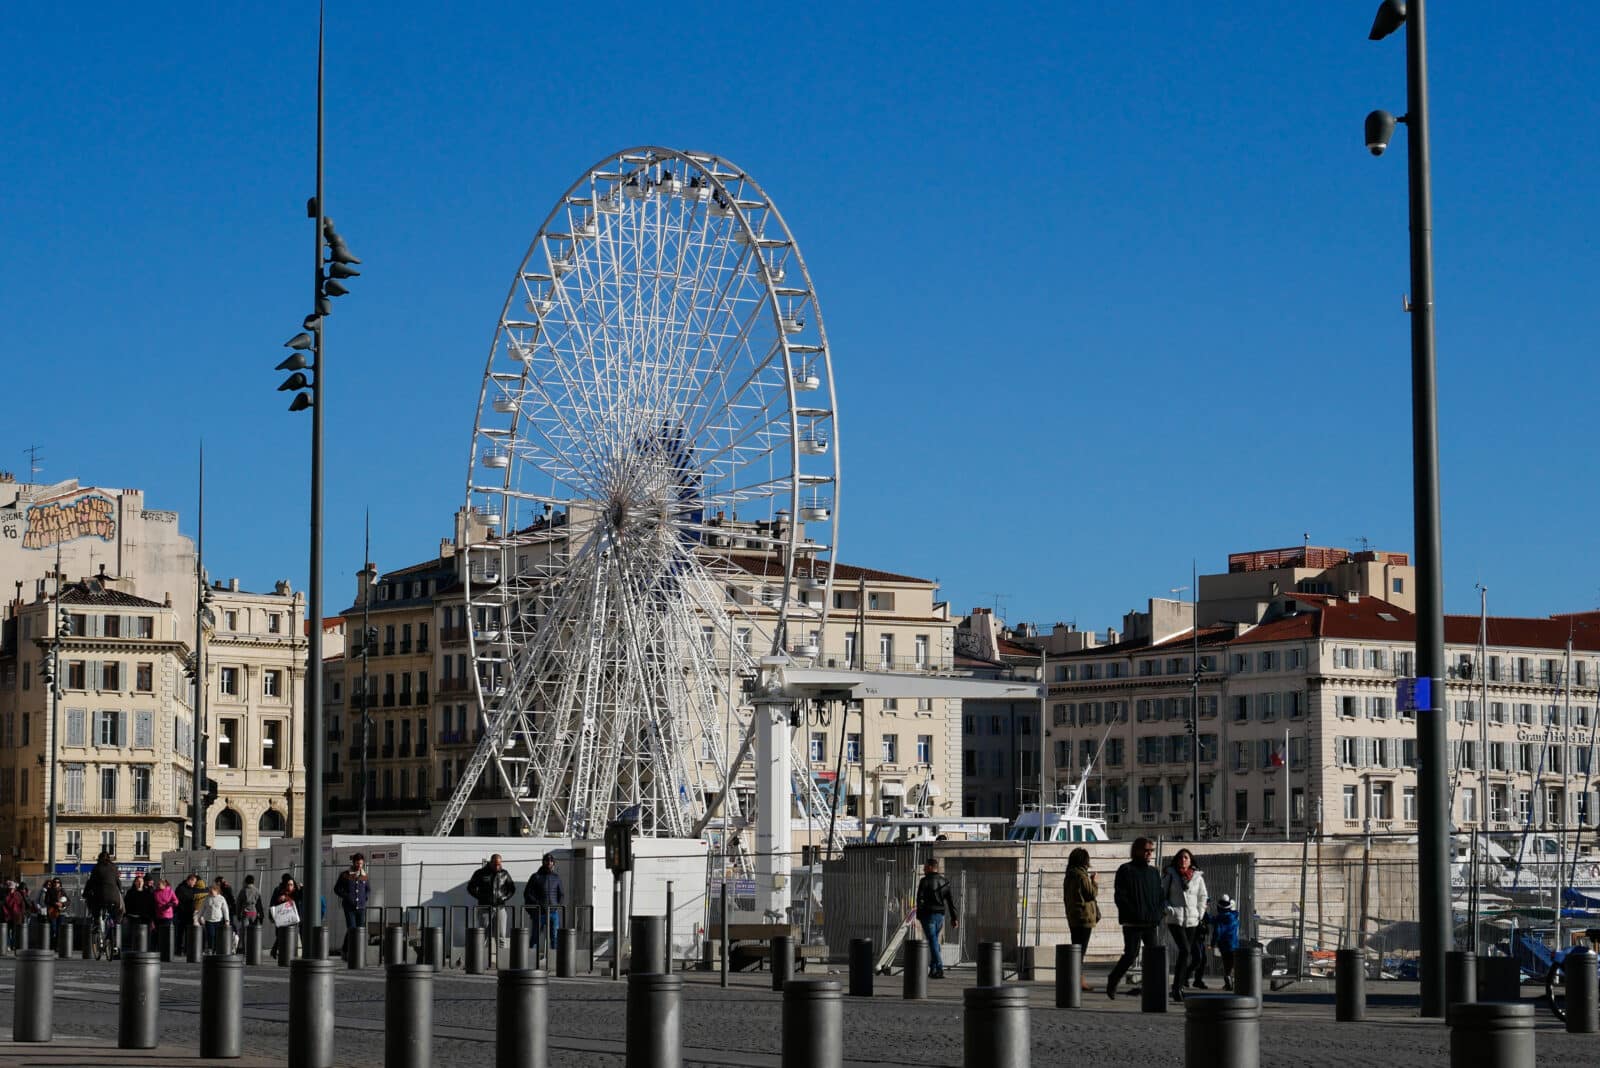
<point>309,394</point>
<point>63,628</point>
<point>1433,868</point>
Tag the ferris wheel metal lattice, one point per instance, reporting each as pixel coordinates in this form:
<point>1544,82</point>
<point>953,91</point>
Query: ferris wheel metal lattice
<point>654,489</point>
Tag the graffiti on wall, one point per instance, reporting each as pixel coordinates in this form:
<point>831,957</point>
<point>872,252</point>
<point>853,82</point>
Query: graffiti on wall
<point>46,525</point>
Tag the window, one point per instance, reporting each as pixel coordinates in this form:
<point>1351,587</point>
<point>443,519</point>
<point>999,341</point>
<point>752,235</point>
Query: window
<point>274,623</point>
<point>144,730</point>
<point>1408,804</point>
<point>1269,807</point>
<point>111,675</point>
<point>1292,658</point>
<point>229,683</point>
<point>1469,804</point>
<point>1114,752</point>
<point>921,645</point>
<point>230,619</point>
<point>1241,807</point>
<point>108,790</point>
<point>144,677</point>
<point>852,748</point>
<point>108,842</point>
<point>272,743</point>
<point>75,843</point>
<point>77,675</point>
<point>1398,585</point>
<point>1347,751</point>
<point>1267,705</point>
<point>1373,659</point>
<point>272,682</point>
<point>1297,805</point>
<point>1347,707</point>
<point>1267,661</point>
<point>111,626</point>
<point>969,761</point>
<point>107,729</point>
<point>1525,757</point>
<point>1240,760</point>
<point>144,626</point>
<point>886,649</point>
<point>227,743</point>
<point>891,748</point>
<point>1382,802</point>
<point>819,747</point>
<point>924,749</point>
<point>1524,810</point>
<point>76,727</point>
<point>1241,709</point>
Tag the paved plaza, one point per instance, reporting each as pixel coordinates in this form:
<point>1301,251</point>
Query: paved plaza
<point>740,1025</point>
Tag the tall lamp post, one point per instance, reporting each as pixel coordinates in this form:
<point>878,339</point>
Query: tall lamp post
<point>309,394</point>
<point>63,629</point>
<point>1433,868</point>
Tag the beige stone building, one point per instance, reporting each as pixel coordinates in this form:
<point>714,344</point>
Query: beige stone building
<point>1299,725</point>
<point>899,756</point>
<point>255,703</point>
<point>122,734</point>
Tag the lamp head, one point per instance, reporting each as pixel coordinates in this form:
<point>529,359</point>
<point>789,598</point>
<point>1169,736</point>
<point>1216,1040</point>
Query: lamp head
<point>296,362</point>
<point>299,341</point>
<point>1390,17</point>
<point>294,381</point>
<point>301,402</point>
<point>1380,128</point>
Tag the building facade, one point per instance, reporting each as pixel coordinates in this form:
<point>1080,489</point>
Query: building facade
<point>1299,726</point>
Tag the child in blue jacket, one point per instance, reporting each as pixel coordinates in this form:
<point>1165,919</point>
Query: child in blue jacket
<point>1225,936</point>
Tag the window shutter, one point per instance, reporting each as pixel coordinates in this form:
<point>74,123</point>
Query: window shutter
<point>143,728</point>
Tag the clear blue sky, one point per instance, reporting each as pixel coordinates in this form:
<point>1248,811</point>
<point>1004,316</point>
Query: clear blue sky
<point>1111,287</point>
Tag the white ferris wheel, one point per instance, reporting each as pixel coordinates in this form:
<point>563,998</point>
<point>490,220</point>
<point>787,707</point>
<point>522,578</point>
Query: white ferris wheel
<point>655,480</point>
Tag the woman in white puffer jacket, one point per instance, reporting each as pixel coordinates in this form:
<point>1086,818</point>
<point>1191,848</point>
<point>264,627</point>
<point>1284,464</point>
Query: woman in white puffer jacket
<point>1184,886</point>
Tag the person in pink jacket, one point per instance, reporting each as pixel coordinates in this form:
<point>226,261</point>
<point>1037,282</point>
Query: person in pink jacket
<point>166,901</point>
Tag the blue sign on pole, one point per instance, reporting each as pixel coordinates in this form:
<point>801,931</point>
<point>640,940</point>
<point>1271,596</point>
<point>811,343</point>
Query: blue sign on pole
<point>1413,695</point>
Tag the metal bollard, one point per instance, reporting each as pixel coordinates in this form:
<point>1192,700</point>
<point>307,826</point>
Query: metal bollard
<point>33,1011</point>
<point>221,1005</point>
<point>667,941</point>
<point>288,945</point>
<point>1069,976</point>
<point>519,951</point>
<point>195,944</point>
<point>408,1016</point>
<point>1460,977</point>
<point>781,960</point>
<point>5,939</point>
<point>1026,956</point>
<point>521,1021</point>
<point>654,1028</point>
<point>915,987</point>
<point>356,955</point>
<point>990,964</point>
<point>394,945</point>
<point>86,947</point>
<point>861,962</point>
<point>1350,986</point>
<point>252,944</point>
<point>1221,1031</point>
<point>1153,988</point>
<point>994,1027</point>
<point>475,950</point>
<point>1247,970</point>
<point>139,1000</point>
<point>1491,1034</point>
<point>166,942</point>
<point>311,1014</point>
<point>722,940</point>
<point>813,1024</point>
<point>1499,979</point>
<point>433,947</point>
<point>66,938</point>
<point>319,943</point>
<point>647,953</point>
<point>135,936</point>
<point>37,934</point>
<point>566,953</point>
<point>1583,1001</point>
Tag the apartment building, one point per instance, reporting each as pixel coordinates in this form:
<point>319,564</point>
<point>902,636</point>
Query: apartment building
<point>1299,725</point>
<point>255,703</point>
<point>1002,745</point>
<point>121,727</point>
<point>877,757</point>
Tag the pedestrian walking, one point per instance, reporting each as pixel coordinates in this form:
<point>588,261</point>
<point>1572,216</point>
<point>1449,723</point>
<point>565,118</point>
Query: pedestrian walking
<point>544,898</point>
<point>249,903</point>
<point>1183,893</point>
<point>286,893</point>
<point>53,898</point>
<point>353,890</point>
<point>183,913</point>
<point>1225,936</point>
<point>216,918</point>
<point>166,903</point>
<point>934,902</point>
<point>1080,891</point>
<point>491,886</point>
<point>139,902</point>
<point>1137,892</point>
<point>13,909</point>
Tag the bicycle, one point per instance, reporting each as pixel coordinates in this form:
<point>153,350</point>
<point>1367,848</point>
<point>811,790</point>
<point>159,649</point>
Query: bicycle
<point>1555,981</point>
<point>102,933</point>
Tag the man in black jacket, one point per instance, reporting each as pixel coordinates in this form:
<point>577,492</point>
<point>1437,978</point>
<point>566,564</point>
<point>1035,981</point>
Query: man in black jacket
<point>1139,909</point>
<point>934,901</point>
<point>491,886</point>
<point>183,914</point>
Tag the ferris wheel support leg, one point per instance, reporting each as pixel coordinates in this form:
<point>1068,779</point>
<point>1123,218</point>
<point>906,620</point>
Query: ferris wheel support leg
<point>773,808</point>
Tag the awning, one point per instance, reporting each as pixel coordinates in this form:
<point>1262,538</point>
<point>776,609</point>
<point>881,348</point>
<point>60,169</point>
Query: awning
<point>852,787</point>
<point>891,789</point>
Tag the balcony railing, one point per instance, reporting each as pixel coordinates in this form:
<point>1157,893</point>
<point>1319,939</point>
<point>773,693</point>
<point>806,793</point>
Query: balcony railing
<point>422,646</point>
<point>455,685</point>
<point>405,646</point>
<point>388,700</point>
<point>452,737</point>
<point>388,751</point>
<point>388,648</point>
<point>452,636</point>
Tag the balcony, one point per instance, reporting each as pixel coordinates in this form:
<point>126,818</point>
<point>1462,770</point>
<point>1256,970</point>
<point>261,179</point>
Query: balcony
<point>388,700</point>
<point>452,737</point>
<point>388,648</point>
<point>388,751</point>
<point>455,685</point>
<point>452,635</point>
<point>405,647</point>
<point>422,647</point>
<point>404,750</point>
<point>422,746</point>
<point>405,699</point>
<point>422,697</point>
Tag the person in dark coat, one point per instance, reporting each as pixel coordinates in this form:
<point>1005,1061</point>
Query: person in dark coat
<point>1140,908</point>
<point>286,890</point>
<point>491,886</point>
<point>183,915</point>
<point>1079,893</point>
<point>544,893</point>
<point>139,902</point>
<point>934,902</point>
<point>353,889</point>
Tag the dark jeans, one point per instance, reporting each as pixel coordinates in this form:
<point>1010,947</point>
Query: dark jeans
<point>1132,939</point>
<point>1080,935</point>
<point>1184,938</point>
<point>1227,963</point>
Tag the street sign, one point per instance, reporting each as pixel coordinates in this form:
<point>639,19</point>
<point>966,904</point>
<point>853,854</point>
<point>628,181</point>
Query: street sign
<point>1413,695</point>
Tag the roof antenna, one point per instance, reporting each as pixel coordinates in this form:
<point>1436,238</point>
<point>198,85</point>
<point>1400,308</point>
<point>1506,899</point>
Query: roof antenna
<point>35,461</point>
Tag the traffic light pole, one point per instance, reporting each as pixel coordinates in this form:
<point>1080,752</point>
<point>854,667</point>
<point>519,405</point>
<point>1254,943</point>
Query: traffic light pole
<point>55,717</point>
<point>198,787</point>
<point>366,650</point>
